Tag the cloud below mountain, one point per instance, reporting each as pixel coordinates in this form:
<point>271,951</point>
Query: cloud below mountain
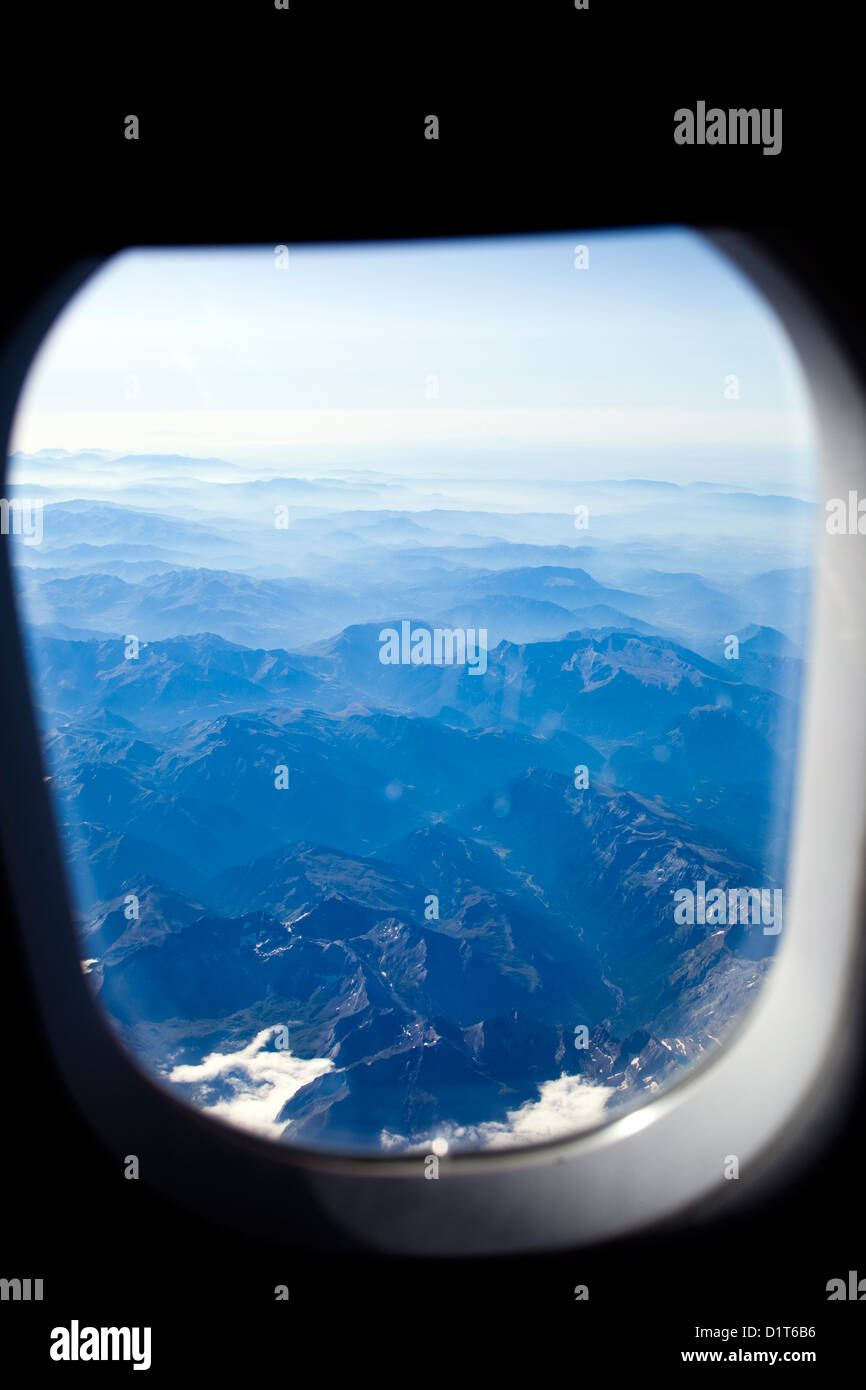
<point>249,1087</point>
<point>566,1106</point>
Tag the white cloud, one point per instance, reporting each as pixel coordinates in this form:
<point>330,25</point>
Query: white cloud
<point>234,434</point>
<point>565,1106</point>
<point>260,1080</point>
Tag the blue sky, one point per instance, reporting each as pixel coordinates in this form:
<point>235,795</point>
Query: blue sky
<point>217,353</point>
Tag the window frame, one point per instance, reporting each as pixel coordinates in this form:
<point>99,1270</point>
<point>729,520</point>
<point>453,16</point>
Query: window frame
<point>774,1082</point>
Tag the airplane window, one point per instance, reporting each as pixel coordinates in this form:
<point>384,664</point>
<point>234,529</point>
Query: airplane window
<point>418,633</point>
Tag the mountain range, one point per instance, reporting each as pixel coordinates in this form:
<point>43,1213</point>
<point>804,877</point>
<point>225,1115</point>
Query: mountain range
<point>353,904</point>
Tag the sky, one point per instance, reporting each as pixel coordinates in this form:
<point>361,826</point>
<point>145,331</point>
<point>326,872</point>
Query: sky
<point>432,355</point>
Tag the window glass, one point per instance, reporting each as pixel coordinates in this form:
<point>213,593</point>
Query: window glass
<point>418,633</point>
